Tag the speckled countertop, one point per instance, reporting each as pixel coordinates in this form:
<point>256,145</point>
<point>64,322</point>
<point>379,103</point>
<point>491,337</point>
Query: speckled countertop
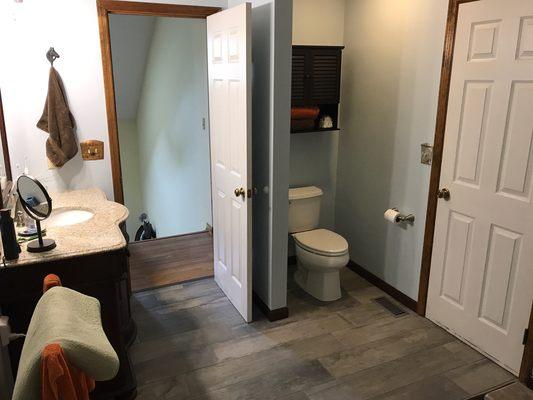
<point>99,234</point>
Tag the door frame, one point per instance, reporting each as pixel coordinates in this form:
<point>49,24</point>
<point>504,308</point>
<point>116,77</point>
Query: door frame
<point>431,212</point>
<point>5,150</point>
<point>104,8</point>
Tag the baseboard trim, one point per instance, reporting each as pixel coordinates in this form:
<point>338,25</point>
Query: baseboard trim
<point>380,283</point>
<point>272,315</point>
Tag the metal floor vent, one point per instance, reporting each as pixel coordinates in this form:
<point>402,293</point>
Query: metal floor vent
<point>390,306</point>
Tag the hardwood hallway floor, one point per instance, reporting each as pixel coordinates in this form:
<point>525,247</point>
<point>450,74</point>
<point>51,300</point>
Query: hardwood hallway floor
<point>192,344</point>
<point>167,261</point>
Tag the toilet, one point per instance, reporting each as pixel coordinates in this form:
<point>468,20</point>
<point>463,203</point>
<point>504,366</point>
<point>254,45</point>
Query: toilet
<point>321,253</point>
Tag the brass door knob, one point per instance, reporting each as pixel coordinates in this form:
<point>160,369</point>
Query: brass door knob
<point>240,192</point>
<point>443,193</point>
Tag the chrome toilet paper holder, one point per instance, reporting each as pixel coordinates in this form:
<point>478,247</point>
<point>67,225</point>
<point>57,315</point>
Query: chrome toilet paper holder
<point>410,218</point>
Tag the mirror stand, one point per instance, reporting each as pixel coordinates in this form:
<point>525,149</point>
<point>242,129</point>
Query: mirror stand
<point>37,203</point>
<point>39,245</point>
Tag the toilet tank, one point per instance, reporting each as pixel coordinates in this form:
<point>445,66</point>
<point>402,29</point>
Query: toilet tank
<point>304,208</point>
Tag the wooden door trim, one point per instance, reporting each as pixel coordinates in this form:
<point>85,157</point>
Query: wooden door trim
<point>526,368</point>
<point>104,8</point>
<point>157,9</point>
<point>438,144</point>
<point>3,138</point>
<point>7,162</point>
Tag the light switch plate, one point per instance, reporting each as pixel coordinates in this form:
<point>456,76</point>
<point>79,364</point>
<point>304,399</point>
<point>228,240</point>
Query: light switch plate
<point>426,153</point>
<point>92,150</point>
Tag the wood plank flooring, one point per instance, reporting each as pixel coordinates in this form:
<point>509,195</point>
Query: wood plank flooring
<point>193,344</point>
<point>167,261</point>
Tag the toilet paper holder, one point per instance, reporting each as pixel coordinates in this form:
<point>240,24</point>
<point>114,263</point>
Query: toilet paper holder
<point>404,218</point>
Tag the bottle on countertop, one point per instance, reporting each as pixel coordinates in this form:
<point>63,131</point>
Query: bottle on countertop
<point>9,236</point>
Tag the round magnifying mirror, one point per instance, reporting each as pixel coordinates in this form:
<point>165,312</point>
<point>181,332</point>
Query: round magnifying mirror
<point>38,205</point>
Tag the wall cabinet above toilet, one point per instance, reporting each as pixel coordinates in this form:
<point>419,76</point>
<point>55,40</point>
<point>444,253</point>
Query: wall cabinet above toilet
<point>316,74</point>
<point>316,77</point>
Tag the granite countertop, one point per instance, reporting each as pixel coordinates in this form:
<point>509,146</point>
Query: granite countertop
<point>101,233</point>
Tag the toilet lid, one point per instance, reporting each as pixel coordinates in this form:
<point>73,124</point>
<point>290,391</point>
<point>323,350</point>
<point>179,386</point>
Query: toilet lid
<point>322,241</point>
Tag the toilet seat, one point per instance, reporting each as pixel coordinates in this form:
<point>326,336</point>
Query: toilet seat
<point>322,242</point>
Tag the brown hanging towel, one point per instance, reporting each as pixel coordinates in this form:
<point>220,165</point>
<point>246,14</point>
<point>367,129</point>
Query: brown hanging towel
<point>57,120</point>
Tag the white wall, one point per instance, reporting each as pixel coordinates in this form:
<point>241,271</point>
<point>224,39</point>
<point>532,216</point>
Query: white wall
<point>131,36</point>
<point>174,156</point>
<point>160,71</point>
<point>390,79</point>
<point>71,26</point>
<point>314,162</point>
<point>314,155</point>
<point>131,173</point>
<point>318,22</point>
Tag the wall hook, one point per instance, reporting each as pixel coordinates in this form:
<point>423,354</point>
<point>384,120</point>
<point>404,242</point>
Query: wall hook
<point>51,56</point>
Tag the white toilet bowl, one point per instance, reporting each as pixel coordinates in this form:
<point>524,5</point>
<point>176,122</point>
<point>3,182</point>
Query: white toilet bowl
<point>321,254</point>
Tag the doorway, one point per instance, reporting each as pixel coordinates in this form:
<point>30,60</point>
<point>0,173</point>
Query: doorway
<point>160,77</point>
<point>225,45</point>
<point>161,98</point>
<point>479,234</point>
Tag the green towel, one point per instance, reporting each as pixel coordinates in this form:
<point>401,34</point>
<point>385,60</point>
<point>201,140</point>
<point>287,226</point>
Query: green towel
<point>73,320</point>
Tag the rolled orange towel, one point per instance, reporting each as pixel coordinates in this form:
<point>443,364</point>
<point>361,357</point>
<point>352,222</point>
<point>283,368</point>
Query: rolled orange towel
<point>304,112</point>
<point>59,379</point>
<point>50,281</point>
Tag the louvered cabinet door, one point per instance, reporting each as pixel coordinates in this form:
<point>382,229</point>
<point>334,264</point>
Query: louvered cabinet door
<point>325,66</point>
<point>316,73</point>
<point>300,77</point>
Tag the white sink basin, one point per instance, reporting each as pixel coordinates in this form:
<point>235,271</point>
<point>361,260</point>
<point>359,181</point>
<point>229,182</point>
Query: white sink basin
<point>68,216</point>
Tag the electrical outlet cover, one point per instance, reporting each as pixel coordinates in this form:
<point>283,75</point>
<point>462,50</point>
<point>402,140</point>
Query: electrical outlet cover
<point>92,150</point>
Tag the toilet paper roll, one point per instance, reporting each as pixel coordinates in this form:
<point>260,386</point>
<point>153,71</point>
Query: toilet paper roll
<point>392,216</point>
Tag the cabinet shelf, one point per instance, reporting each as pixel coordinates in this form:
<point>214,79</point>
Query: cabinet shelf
<point>316,130</point>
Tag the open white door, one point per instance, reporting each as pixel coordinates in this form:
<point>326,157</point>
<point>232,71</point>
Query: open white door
<point>481,282</point>
<point>230,117</point>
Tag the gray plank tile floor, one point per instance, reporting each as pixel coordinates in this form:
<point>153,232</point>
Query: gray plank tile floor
<point>192,344</point>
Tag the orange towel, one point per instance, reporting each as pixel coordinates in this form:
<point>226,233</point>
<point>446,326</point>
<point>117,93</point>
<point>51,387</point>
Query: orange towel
<point>50,281</point>
<point>304,112</point>
<point>61,381</point>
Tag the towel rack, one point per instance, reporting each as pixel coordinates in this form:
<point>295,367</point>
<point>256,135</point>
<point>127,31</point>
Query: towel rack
<point>51,56</point>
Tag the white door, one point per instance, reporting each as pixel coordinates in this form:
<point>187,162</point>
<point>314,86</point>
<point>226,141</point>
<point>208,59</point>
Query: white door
<point>229,74</point>
<point>481,282</point>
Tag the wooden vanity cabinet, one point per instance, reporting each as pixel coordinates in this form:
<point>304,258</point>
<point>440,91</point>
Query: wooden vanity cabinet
<point>104,276</point>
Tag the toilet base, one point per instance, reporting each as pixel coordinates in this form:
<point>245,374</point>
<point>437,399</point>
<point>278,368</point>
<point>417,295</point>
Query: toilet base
<point>324,286</point>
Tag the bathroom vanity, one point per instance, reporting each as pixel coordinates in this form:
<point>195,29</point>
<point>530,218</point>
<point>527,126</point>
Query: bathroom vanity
<point>91,257</point>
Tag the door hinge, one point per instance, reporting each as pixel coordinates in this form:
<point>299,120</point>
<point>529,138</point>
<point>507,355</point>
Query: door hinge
<point>251,192</point>
<point>526,336</point>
